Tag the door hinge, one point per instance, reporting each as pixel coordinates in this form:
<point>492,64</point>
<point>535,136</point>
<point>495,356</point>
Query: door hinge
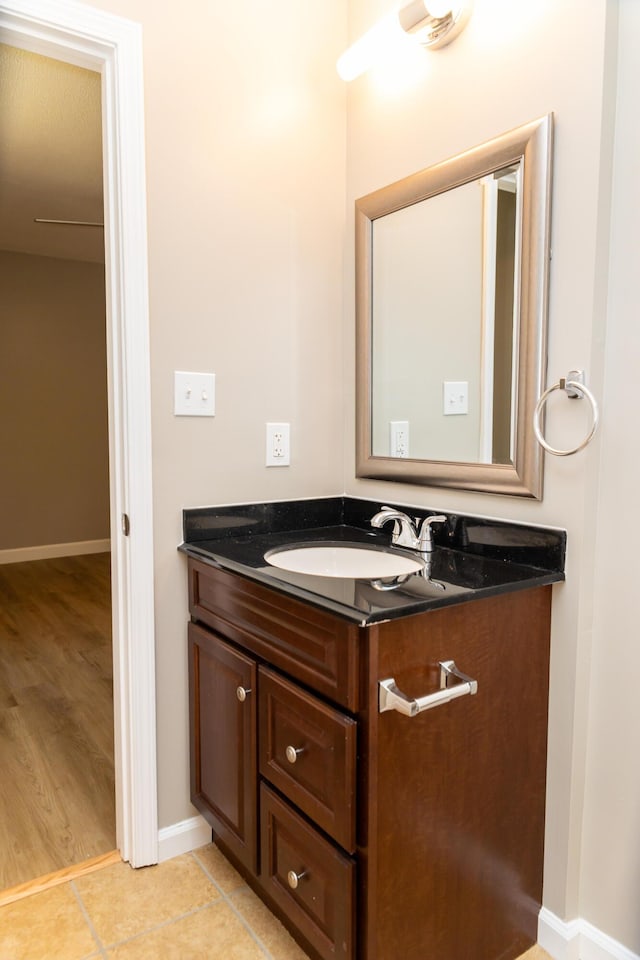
<point>126,526</point>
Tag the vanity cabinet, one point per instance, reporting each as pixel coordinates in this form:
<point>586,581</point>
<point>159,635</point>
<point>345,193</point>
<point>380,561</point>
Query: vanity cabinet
<point>372,835</point>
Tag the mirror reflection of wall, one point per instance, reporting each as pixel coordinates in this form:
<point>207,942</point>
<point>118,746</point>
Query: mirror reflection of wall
<point>443,324</point>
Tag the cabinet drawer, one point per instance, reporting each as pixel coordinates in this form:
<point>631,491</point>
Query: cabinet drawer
<point>313,646</point>
<point>308,751</point>
<point>308,878</point>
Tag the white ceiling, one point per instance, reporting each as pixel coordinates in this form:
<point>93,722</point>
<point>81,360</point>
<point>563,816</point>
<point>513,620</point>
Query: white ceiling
<point>50,156</point>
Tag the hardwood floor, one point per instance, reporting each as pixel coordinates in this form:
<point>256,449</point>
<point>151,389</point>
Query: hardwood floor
<point>57,800</point>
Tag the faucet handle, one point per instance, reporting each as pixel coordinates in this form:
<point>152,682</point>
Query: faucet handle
<point>425,539</point>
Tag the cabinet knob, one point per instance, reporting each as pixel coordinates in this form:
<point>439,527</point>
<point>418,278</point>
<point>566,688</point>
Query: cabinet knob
<point>293,878</point>
<point>242,693</point>
<point>292,753</point>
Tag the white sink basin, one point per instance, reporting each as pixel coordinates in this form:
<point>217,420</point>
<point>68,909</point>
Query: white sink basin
<point>331,560</point>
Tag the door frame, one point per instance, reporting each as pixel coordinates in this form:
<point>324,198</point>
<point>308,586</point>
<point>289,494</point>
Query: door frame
<point>88,37</point>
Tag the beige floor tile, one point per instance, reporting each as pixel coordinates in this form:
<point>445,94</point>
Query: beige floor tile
<point>535,953</point>
<point>220,869</point>
<point>267,928</point>
<point>214,933</point>
<point>122,902</point>
<point>46,926</point>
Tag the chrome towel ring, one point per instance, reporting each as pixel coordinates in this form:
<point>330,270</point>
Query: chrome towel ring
<point>574,386</point>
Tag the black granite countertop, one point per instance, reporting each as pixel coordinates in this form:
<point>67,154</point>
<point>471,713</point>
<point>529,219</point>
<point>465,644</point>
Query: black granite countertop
<point>474,557</point>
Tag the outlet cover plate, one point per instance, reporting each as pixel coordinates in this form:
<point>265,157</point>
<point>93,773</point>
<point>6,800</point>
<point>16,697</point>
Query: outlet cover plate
<point>398,438</point>
<point>278,449</point>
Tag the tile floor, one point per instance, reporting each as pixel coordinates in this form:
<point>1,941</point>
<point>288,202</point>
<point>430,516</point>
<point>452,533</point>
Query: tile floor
<point>194,907</point>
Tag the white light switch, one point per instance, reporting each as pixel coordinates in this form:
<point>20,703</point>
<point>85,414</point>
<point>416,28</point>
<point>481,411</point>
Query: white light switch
<point>194,394</point>
<point>455,397</point>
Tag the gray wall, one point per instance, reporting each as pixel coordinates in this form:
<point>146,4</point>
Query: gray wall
<point>245,147</point>
<point>53,398</point>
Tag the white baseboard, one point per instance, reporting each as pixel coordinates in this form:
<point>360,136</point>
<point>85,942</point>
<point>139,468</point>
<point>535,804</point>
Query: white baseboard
<point>182,837</point>
<point>51,550</point>
<point>578,940</point>
<point>561,940</point>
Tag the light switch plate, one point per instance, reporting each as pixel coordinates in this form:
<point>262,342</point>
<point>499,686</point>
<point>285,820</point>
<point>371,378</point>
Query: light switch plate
<point>455,396</point>
<point>194,394</point>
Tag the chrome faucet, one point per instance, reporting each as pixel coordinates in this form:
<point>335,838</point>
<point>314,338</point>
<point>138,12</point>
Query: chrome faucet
<point>405,532</point>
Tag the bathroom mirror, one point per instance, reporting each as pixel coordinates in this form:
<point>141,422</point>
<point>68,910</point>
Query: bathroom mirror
<point>451,313</point>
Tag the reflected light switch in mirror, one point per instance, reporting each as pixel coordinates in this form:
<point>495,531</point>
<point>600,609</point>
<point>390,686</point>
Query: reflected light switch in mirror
<point>455,397</point>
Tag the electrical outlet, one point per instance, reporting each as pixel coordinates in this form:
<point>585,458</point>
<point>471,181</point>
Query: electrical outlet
<point>278,454</point>
<point>398,438</point>
<point>455,397</point>
<point>194,394</point>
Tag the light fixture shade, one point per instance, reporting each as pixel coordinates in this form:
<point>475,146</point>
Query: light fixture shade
<point>370,47</point>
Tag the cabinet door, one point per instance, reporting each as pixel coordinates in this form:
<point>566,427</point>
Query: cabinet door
<point>222,697</point>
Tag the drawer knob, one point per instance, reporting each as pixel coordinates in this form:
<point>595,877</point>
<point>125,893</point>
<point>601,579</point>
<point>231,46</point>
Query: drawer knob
<point>242,693</point>
<point>292,753</point>
<point>293,878</point>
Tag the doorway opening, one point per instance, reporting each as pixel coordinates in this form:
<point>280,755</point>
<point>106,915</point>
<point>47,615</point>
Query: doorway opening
<point>89,38</point>
<point>57,793</point>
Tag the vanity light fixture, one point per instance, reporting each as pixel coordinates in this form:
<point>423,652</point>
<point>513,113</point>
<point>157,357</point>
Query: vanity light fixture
<point>432,23</point>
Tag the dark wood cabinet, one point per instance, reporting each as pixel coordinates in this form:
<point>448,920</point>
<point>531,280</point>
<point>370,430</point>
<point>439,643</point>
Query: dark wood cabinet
<point>374,835</point>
